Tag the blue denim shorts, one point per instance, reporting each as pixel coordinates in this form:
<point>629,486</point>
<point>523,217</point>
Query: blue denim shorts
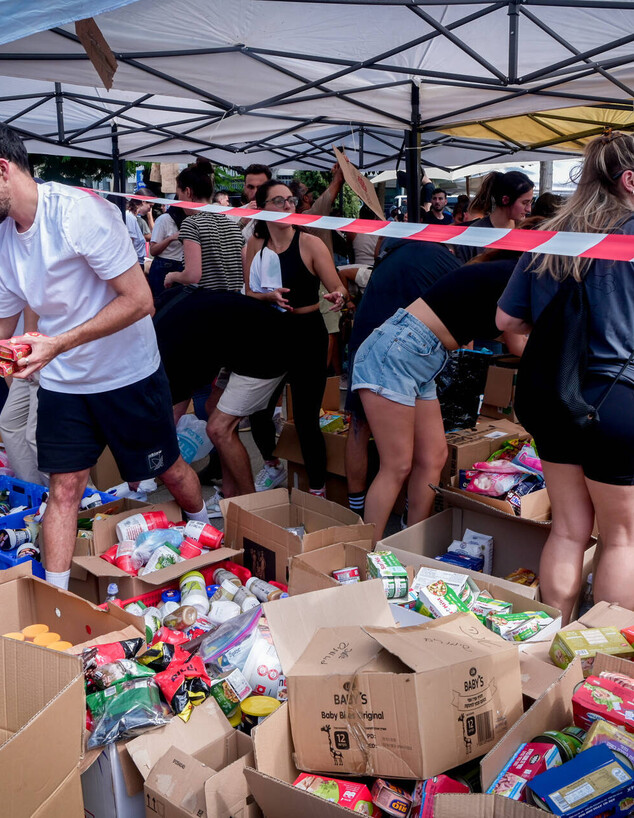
<point>400,360</point>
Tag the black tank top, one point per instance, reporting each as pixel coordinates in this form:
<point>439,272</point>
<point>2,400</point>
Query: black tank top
<point>303,285</point>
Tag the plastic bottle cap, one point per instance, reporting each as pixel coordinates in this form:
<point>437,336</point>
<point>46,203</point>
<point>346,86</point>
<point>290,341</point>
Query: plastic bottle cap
<point>259,706</point>
<point>32,631</point>
<point>61,645</point>
<point>113,589</point>
<point>19,637</point>
<point>46,639</point>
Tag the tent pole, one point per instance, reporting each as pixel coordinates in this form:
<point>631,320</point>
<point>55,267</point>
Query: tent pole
<point>412,158</point>
<point>545,177</point>
<point>116,170</point>
<point>59,105</point>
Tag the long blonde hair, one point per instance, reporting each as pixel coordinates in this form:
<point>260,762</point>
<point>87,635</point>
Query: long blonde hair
<point>596,206</point>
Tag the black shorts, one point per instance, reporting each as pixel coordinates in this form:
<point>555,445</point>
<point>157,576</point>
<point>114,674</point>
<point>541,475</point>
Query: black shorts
<point>136,421</point>
<point>605,450</point>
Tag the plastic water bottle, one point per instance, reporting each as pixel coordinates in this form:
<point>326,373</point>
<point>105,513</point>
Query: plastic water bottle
<point>113,592</point>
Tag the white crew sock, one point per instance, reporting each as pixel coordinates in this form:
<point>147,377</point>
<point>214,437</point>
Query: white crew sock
<point>201,516</point>
<point>60,580</point>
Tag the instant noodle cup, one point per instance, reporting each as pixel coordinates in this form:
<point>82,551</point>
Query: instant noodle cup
<point>61,645</point>
<point>131,527</point>
<point>46,639</point>
<point>19,637</point>
<point>31,631</point>
<point>206,535</point>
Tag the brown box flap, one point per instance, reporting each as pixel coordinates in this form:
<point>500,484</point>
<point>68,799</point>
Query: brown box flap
<point>455,805</point>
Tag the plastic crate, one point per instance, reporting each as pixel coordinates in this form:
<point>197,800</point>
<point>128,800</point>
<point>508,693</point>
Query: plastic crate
<point>8,560</point>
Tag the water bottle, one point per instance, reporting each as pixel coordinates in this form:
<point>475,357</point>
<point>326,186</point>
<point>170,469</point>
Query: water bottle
<point>113,592</point>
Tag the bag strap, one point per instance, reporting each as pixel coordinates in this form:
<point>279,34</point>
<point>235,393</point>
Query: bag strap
<point>186,290</point>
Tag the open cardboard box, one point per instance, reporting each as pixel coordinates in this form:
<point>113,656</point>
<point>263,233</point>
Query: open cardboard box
<point>313,571</point>
<point>195,769</point>
<point>42,719</point>
<point>81,582</point>
<point>499,391</point>
<point>469,446</point>
<point>257,523</point>
<point>105,535</point>
<point>534,506</point>
<point>359,696</point>
<point>105,473</point>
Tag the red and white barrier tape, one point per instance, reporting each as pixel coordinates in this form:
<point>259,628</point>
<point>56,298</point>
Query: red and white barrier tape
<point>559,243</point>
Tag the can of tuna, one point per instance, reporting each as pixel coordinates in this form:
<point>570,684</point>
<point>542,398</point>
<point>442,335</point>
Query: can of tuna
<point>537,801</point>
<point>567,745</point>
<point>346,576</point>
<point>255,709</point>
<point>11,538</point>
<point>395,587</point>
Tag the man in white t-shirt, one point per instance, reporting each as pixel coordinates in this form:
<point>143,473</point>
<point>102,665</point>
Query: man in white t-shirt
<point>66,254</point>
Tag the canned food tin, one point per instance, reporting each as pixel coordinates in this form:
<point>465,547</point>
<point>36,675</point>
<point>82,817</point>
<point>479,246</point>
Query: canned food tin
<point>255,709</point>
<point>348,575</point>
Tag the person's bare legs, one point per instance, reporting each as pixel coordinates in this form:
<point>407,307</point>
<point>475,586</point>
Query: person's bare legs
<point>237,477</point>
<point>614,577</point>
<point>430,454</point>
<point>356,455</point>
<point>179,410</point>
<point>561,564</point>
<point>59,524</point>
<point>392,425</point>
<point>183,484</point>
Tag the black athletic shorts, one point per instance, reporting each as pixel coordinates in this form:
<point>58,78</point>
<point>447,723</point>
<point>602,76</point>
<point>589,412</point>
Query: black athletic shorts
<point>136,421</point>
<point>605,450</point>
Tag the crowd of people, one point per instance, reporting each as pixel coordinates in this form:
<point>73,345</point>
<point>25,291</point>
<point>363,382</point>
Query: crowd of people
<point>231,309</point>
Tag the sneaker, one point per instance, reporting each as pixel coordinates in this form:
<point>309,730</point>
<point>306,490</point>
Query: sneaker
<point>213,506</point>
<point>269,477</point>
<point>244,425</point>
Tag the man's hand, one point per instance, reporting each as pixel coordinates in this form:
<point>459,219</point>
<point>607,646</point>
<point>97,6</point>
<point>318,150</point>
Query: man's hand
<point>43,350</point>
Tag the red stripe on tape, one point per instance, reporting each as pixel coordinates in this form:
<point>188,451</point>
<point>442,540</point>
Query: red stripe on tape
<point>364,226</point>
<point>522,240</point>
<point>615,248</point>
<point>438,232</point>
<point>299,218</point>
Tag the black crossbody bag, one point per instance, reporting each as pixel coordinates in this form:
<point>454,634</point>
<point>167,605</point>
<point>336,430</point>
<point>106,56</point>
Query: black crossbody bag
<point>553,367</point>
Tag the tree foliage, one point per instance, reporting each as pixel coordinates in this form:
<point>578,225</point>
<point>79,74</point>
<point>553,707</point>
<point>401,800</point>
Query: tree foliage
<point>73,170</point>
<point>317,181</point>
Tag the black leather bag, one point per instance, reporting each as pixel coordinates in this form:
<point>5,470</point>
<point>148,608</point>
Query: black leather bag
<point>553,367</point>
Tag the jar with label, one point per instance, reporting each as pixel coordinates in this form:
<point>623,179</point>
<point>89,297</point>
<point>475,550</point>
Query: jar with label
<point>222,611</point>
<point>245,599</point>
<point>194,591</point>
<point>263,590</point>
<point>170,602</point>
<point>135,524</point>
<point>221,574</point>
<point>181,619</point>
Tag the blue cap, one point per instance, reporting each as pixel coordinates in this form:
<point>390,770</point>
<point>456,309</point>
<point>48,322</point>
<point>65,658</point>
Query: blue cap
<point>211,590</point>
<point>170,596</point>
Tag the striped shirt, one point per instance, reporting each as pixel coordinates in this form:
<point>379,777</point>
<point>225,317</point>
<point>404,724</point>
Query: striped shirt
<point>221,244</point>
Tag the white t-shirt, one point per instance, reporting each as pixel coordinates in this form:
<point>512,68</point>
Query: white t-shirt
<point>136,235</point>
<point>165,226</point>
<point>61,268</point>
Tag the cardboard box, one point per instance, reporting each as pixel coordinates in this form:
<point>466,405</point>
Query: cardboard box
<point>499,391</point>
<point>360,697</point>
<point>195,769</point>
<point>469,446</point>
<point>517,543</point>
<point>534,506</point>
<point>81,582</point>
<point>257,524</point>
<point>313,571</point>
<point>104,788</point>
<point>42,707</point>
<point>105,536</point>
<point>28,600</point>
<point>105,473</point>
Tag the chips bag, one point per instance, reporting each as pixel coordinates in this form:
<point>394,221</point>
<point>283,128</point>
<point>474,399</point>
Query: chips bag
<point>185,684</point>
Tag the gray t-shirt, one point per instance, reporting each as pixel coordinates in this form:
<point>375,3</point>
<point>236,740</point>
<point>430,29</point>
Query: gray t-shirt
<point>610,289</point>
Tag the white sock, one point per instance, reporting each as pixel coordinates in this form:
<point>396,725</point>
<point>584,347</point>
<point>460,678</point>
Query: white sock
<point>60,580</point>
<point>201,516</point>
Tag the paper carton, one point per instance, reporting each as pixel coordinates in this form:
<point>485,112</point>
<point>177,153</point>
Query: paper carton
<point>195,769</point>
<point>42,707</point>
<point>534,506</point>
<point>257,523</point>
<point>104,536</point>
<point>360,696</point>
<point>105,473</point>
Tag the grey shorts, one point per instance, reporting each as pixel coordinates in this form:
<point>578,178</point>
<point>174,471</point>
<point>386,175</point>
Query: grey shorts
<point>244,395</point>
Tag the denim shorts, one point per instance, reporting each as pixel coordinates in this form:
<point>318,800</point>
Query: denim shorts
<point>400,360</point>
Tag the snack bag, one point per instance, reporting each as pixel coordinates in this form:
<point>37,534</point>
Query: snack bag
<point>185,684</point>
<point>134,708</point>
<point>98,655</point>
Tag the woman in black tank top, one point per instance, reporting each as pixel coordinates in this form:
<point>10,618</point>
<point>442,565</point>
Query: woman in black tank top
<point>304,262</point>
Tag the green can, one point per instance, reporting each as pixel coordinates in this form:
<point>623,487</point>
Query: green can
<point>567,744</point>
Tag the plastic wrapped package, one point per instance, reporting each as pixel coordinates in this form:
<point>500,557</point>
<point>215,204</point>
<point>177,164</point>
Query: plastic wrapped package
<point>122,670</point>
<point>461,386</point>
<point>98,655</point>
<point>184,684</point>
<point>148,541</point>
<point>233,638</point>
<point>134,708</point>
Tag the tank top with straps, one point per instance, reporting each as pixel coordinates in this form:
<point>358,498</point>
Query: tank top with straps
<point>303,285</point>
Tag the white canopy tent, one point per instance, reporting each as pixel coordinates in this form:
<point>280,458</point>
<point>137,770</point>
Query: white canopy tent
<point>255,74</point>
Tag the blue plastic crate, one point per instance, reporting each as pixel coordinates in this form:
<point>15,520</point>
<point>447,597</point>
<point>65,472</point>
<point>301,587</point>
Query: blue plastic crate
<point>8,560</point>
<point>21,493</point>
